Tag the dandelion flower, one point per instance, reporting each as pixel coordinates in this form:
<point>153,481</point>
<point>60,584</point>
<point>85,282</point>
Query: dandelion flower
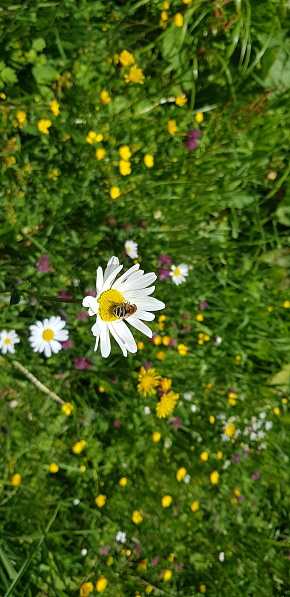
<point>156,436</point>
<point>148,381</point>
<point>165,384</point>
<point>199,117</point>
<point>135,75</point>
<point>131,288</point>
<point>166,405</point>
<point>93,137</point>
<point>7,341</point>
<point>21,117</point>
<point>123,481</point>
<point>179,273</point>
<point>204,456</point>
<point>167,574</point>
<point>131,249</point>
<point>43,125</point>
<point>126,58</point>
<point>230,430</point>
<point>47,335</point>
<point>182,349</point>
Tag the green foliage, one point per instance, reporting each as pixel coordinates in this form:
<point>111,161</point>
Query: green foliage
<point>224,210</point>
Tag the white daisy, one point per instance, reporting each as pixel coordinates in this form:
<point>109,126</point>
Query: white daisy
<point>7,341</point>
<point>47,335</point>
<point>179,273</point>
<point>130,289</point>
<point>121,536</point>
<point>131,249</point>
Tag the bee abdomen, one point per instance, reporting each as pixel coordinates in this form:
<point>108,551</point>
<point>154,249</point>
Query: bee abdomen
<point>120,311</point>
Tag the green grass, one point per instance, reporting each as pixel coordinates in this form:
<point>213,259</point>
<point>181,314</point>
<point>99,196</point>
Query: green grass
<point>224,210</point>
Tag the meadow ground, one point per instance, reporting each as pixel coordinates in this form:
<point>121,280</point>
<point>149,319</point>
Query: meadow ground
<point>166,471</point>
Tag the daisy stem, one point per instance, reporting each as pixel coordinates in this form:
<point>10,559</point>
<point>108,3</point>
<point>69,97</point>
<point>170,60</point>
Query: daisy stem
<point>37,383</point>
<point>52,299</point>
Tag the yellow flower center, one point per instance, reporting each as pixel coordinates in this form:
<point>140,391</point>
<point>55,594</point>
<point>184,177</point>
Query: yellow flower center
<point>176,272</point>
<point>7,341</point>
<point>108,301</point>
<point>48,335</point>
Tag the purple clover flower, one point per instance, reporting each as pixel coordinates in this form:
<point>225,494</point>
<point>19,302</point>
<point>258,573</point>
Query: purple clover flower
<point>164,260</point>
<point>155,561</point>
<point>163,273</point>
<point>255,475</point>
<point>191,141</point>
<point>203,305</point>
<point>67,344</point>
<point>91,292</point>
<point>103,551</point>
<point>64,294</point>
<point>82,316</point>
<point>82,363</point>
<point>176,422</point>
<point>43,264</point>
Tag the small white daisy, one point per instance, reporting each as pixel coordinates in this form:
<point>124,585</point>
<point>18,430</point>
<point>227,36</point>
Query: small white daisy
<point>179,273</point>
<point>222,556</point>
<point>129,291</point>
<point>47,335</point>
<point>131,249</point>
<point>147,410</point>
<point>7,341</point>
<point>187,479</point>
<point>121,537</point>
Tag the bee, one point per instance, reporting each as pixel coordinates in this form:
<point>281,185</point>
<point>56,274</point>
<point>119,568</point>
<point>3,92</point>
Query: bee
<point>124,310</point>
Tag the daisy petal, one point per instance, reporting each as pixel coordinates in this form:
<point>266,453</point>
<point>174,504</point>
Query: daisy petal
<point>126,275</point>
<point>111,266</point>
<point>105,340</point>
<point>55,346</point>
<point>100,280</point>
<point>47,350</point>
<point>111,278</point>
<point>118,339</point>
<point>126,335</point>
<point>139,325</point>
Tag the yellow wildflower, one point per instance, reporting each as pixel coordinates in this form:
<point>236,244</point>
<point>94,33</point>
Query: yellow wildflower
<point>166,501</point>
<point>181,99</point>
<point>53,174</point>
<point>53,468</point>
<point>171,127</point>
<point>149,160</point>
<point>160,355</point>
<point>286,304</point>
<point>165,384</point>
<point>149,589</point>
<point>100,500</point>
<point>161,318</point>
<point>202,588</point>
<point>79,446</point>
<point>100,153</point>
<point>237,492</point>
<point>166,5</point>
<point>125,152</point>
<point>2,95</point>
<point>199,317</point>
<point>276,410</point>
<point>148,381</point>
<point>157,340</point>
<point>115,192</point>
<point>101,584</point>
<point>21,118</point>
<point>86,589</point>
<point>124,167</point>
<point>178,19</point>
<point>199,117</point>
<point>140,345</point>
<point>182,349</point>
<point>180,474</point>
<point>135,75</point>
<point>16,480</point>
<point>238,358</point>
<point>171,557</point>
<point>123,481</point>
<point>230,430</point>
<point>10,161</point>
<point>211,419</point>
<point>137,517</point>
<point>126,58</point>
<point>194,506</point>
<point>166,340</point>
<point>43,125</point>
<point>166,405</point>
<point>54,106</point>
<point>164,15</point>
<point>186,1</point>
<point>105,97</point>
<point>167,574</point>
<point>93,137</point>
<point>204,456</point>
<point>110,561</point>
<point>219,454</point>
<point>214,477</point>
<point>156,436</point>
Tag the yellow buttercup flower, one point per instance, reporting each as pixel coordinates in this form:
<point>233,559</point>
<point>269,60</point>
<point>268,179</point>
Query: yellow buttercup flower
<point>160,355</point>
<point>181,99</point>
<point>162,318</point>
<point>93,137</point>
<point>166,501</point>
<point>214,477</point>
<point>105,97</point>
<point>100,153</point>
<point>149,589</point>
<point>172,127</point>
<point>43,125</point>
<point>166,5</point>
<point>211,419</point>
<point>125,152</point>
<point>167,574</point>
<point>199,117</point>
<point>202,588</point>
<point>124,167</point>
<point>135,75</point>
<point>204,456</point>
<point>53,468</point>
<point>10,161</point>
<point>199,317</point>
<point>286,304</point>
<point>230,430</point>
<point>156,436</point>
<point>149,160</point>
<point>219,454</point>
<point>123,481</point>
<point>110,561</point>
<point>140,345</point>
<point>86,589</point>
<point>126,58</point>
<point>276,410</point>
<point>164,15</point>
<point>21,118</point>
<point>166,405</point>
<point>157,340</point>
<point>148,381</point>
<point>194,506</point>
<point>166,340</point>
<point>182,349</point>
<point>100,500</point>
<point>102,584</point>
<point>180,474</point>
<point>178,19</point>
<point>16,480</point>
<point>79,446</point>
<point>115,192</point>
<point>137,516</point>
<point>54,106</point>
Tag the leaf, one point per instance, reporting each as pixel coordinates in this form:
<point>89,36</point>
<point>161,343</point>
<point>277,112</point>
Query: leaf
<point>15,297</point>
<point>283,215</point>
<point>281,378</point>
<point>8,75</point>
<point>238,200</point>
<point>44,74</point>
<point>39,44</point>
